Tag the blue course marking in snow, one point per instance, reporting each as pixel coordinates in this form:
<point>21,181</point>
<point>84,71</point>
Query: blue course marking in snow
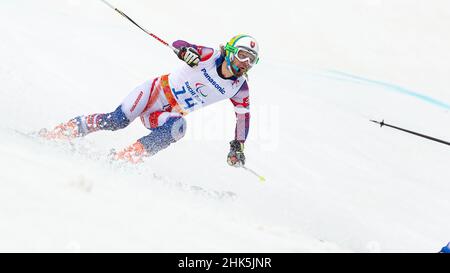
<point>393,87</point>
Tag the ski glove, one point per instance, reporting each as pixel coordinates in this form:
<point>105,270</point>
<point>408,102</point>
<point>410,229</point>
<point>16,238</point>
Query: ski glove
<point>236,157</point>
<point>190,55</point>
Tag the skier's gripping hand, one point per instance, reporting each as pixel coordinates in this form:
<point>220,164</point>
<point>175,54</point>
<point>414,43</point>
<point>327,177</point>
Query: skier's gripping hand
<point>236,157</point>
<point>190,55</point>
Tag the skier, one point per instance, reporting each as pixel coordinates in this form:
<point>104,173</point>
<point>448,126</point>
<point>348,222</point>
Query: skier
<point>208,76</point>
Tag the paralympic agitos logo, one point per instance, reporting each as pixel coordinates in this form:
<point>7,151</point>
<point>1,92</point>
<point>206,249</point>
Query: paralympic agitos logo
<point>198,88</point>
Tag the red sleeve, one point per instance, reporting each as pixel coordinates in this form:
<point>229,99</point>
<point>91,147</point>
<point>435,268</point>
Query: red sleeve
<point>205,52</point>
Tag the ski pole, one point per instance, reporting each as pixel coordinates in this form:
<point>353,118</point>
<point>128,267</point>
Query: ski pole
<point>261,178</point>
<point>382,123</point>
<point>143,29</point>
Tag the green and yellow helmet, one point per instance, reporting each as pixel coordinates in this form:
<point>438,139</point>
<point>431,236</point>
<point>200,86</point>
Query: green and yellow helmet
<point>244,48</point>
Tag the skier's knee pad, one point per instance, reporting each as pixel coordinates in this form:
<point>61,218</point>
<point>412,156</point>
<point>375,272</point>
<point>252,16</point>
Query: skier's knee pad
<point>115,120</point>
<point>161,137</point>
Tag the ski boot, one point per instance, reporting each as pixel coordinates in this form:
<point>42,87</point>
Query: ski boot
<point>134,154</point>
<point>64,131</point>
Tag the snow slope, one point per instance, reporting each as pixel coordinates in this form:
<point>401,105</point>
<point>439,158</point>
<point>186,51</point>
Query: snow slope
<point>335,181</point>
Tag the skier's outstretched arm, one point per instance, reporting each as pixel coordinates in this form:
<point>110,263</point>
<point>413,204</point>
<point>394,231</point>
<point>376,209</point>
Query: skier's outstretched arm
<point>192,54</point>
<point>241,104</point>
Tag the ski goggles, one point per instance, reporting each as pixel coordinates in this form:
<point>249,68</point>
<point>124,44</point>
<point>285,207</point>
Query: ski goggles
<point>243,54</point>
